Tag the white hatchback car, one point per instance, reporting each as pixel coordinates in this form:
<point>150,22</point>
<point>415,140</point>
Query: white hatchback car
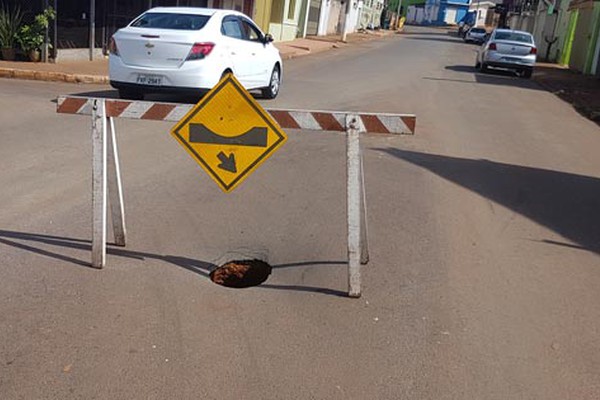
<point>176,49</point>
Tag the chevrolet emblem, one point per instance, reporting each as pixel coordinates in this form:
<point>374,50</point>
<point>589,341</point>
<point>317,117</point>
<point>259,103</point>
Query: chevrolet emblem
<point>149,45</point>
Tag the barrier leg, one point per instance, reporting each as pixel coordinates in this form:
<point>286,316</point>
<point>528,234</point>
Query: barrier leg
<point>364,230</point>
<point>353,204</point>
<point>115,187</point>
<point>98,184</point>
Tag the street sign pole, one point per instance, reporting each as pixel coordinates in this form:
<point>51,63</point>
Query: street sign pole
<point>98,183</point>
<point>353,204</point>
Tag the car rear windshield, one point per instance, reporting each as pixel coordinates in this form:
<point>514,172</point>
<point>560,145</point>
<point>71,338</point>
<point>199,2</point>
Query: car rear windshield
<point>478,30</point>
<point>514,36</point>
<point>184,22</point>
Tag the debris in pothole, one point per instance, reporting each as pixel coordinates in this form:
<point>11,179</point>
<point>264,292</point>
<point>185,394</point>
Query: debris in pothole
<point>241,274</point>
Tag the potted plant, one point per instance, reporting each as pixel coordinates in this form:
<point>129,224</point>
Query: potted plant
<point>31,37</point>
<point>9,28</point>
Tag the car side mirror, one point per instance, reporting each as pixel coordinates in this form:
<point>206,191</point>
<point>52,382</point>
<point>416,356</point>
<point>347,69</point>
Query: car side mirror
<point>268,38</point>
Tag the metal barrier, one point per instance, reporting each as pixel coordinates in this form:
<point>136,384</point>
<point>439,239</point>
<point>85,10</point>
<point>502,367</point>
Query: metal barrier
<point>106,175</point>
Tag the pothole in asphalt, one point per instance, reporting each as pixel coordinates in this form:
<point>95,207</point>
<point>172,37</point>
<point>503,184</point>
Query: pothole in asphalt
<point>241,273</point>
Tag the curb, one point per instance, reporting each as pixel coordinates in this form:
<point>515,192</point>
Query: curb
<point>52,76</point>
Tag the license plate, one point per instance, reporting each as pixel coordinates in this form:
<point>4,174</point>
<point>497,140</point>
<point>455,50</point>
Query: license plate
<point>153,80</point>
<point>512,59</point>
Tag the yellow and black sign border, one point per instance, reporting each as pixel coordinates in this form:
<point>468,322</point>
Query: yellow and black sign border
<point>281,136</point>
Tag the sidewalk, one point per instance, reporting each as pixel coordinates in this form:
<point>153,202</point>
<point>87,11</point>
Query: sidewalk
<point>582,91</point>
<point>97,71</point>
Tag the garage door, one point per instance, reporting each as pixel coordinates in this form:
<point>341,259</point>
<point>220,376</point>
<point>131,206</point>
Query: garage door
<point>313,17</point>
<point>450,16</point>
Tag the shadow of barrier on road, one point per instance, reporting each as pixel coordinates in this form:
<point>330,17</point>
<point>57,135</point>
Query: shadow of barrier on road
<point>24,240</point>
<point>568,204</point>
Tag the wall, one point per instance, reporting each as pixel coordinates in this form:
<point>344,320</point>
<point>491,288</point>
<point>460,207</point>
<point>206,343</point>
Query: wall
<point>334,21</point>
<point>284,21</point>
<point>323,17</point>
<point>584,40</point>
<point>262,14</point>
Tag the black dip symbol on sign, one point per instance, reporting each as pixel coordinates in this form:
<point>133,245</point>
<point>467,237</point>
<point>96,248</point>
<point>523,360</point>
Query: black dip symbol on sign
<point>255,137</point>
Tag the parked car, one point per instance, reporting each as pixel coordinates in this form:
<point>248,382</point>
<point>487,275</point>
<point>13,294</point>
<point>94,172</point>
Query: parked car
<point>176,49</point>
<point>508,49</point>
<point>475,35</point>
<point>463,28</point>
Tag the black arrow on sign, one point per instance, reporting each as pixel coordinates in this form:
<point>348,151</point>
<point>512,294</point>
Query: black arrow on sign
<point>227,163</point>
<point>255,137</point>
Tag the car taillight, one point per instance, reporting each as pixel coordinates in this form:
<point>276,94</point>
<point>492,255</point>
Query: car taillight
<point>112,47</point>
<point>200,50</point>
<point>493,46</point>
<point>533,50</point>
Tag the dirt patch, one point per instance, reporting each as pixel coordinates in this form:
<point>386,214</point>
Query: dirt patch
<point>582,91</point>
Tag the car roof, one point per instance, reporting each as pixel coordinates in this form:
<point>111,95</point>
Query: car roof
<point>513,30</point>
<point>193,10</point>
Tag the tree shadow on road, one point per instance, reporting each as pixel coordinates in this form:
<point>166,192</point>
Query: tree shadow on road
<point>566,203</point>
<point>26,241</point>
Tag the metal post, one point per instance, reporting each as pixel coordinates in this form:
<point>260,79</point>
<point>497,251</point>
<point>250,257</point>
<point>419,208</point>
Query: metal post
<point>55,33</point>
<point>115,188</point>
<point>98,184</point>
<point>92,28</point>
<point>46,36</point>
<point>353,204</point>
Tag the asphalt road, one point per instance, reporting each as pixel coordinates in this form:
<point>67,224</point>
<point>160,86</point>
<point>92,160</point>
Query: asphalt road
<point>484,236</point>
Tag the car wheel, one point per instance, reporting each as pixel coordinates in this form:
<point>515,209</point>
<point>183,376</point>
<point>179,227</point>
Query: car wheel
<point>527,73</point>
<point>484,67</point>
<point>271,91</point>
<point>130,94</point>
<point>477,65</point>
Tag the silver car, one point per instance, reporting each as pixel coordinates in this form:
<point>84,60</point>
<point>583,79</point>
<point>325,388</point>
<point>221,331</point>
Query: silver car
<point>508,49</point>
<point>475,35</point>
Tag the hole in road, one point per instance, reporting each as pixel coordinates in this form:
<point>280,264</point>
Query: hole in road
<point>241,273</point>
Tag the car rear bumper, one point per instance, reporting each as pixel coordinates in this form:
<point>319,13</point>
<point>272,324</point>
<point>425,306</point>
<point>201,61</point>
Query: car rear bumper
<point>500,60</point>
<point>509,65</point>
<point>193,75</point>
<point>134,87</point>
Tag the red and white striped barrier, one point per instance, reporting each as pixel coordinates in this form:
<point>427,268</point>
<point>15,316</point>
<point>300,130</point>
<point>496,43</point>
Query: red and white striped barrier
<point>399,124</point>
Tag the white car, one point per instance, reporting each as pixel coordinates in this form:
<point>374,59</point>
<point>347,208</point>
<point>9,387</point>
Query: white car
<point>177,49</point>
<point>508,49</point>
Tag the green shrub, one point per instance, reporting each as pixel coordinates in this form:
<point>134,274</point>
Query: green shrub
<point>31,37</point>
<point>10,21</point>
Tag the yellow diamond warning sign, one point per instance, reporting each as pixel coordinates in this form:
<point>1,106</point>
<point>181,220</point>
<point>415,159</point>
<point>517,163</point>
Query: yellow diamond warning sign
<point>228,133</point>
